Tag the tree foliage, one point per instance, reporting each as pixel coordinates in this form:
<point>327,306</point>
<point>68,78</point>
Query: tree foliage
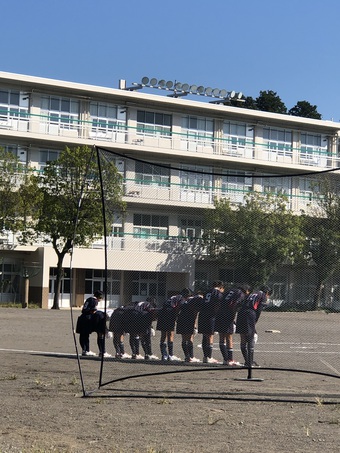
<point>68,211</point>
<point>306,110</point>
<point>323,236</point>
<point>255,237</point>
<point>269,101</point>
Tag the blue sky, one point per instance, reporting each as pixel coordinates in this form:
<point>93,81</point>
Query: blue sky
<point>291,47</point>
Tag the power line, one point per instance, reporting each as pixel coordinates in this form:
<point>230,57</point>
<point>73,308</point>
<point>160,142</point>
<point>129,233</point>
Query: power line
<point>135,159</point>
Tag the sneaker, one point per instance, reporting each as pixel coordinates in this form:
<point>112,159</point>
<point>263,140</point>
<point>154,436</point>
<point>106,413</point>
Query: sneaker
<point>231,363</point>
<point>194,360</point>
<point>254,365</point>
<point>125,356</point>
<point>89,353</point>
<point>151,357</point>
<point>165,358</point>
<point>137,357</point>
<point>211,360</point>
<point>106,355</point>
<point>173,358</point>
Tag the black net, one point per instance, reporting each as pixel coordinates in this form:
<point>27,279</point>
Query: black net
<point>176,235</point>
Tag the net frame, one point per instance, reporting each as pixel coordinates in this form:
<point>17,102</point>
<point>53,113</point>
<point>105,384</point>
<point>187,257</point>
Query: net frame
<point>105,381</point>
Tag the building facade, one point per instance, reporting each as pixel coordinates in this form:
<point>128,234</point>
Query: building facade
<point>176,156</point>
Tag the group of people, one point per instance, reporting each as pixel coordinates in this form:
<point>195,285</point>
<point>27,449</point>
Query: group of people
<point>236,310</point>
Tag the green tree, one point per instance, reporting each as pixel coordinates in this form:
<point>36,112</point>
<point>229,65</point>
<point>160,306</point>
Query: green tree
<point>69,209</point>
<point>249,103</point>
<point>256,237</point>
<point>269,101</point>
<point>323,236</point>
<point>306,110</point>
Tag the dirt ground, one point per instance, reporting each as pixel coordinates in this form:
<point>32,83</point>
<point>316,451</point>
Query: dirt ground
<point>211,409</point>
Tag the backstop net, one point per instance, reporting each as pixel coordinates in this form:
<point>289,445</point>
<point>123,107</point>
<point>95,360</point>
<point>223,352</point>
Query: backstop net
<point>189,227</point>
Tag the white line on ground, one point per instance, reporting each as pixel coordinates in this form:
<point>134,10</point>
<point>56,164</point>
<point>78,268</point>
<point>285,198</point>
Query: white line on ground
<point>330,367</point>
<point>39,352</point>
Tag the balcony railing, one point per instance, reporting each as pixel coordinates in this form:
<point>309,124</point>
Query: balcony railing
<point>120,132</point>
<point>162,193</point>
<point>131,242</point>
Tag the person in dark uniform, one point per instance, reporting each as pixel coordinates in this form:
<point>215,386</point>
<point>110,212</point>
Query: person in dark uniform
<point>225,321</point>
<point>167,316</point>
<point>92,320</point>
<point>186,325</point>
<point>145,314</point>
<point>138,320</point>
<point>117,326</point>
<point>206,319</point>
<point>246,320</point>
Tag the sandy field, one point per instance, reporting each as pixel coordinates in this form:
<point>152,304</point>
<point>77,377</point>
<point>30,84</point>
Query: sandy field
<point>150,407</point>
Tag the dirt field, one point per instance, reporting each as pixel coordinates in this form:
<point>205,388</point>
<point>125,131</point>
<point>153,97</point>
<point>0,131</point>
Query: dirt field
<point>211,410</point>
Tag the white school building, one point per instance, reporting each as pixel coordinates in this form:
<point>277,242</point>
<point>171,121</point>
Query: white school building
<point>207,150</point>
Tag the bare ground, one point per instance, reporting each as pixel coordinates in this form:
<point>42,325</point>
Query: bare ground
<point>213,410</point>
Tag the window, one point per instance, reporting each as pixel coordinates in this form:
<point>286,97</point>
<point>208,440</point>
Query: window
<point>150,226</point>
<point>95,281</point>
<point>234,135</point>
<point>13,104</point>
<point>61,111</point>
<point>154,124</point>
<point>47,155</point>
<point>197,129</point>
<point>202,180</point>
<point>307,186</point>
<point>191,228</point>
<point>9,278</point>
<point>65,281</point>
<point>196,187</point>
<point>313,149</point>
<point>152,284</point>
<point>236,185</point>
<point>104,117</point>
<point>310,142</point>
<point>147,174</point>
<point>117,231</point>
<point>279,140</point>
<point>13,149</point>
<point>277,185</point>
<point>9,97</point>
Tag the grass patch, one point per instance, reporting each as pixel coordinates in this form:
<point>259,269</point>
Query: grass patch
<point>17,305</point>
<point>11,377</point>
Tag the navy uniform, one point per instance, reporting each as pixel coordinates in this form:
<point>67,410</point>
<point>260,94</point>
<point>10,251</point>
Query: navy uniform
<point>117,326</point>
<point>206,319</point>
<point>225,321</point>
<point>92,320</point>
<point>246,320</point>
<point>186,325</point>
<point>136,320</point>
<point>166,322</point>
<point>145,313</point>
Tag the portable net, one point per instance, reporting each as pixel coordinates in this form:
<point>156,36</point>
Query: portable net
<point>167,241</point>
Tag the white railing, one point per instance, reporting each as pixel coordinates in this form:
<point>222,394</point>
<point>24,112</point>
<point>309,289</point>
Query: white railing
<point>122,133</point>
<point>174,244</point>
